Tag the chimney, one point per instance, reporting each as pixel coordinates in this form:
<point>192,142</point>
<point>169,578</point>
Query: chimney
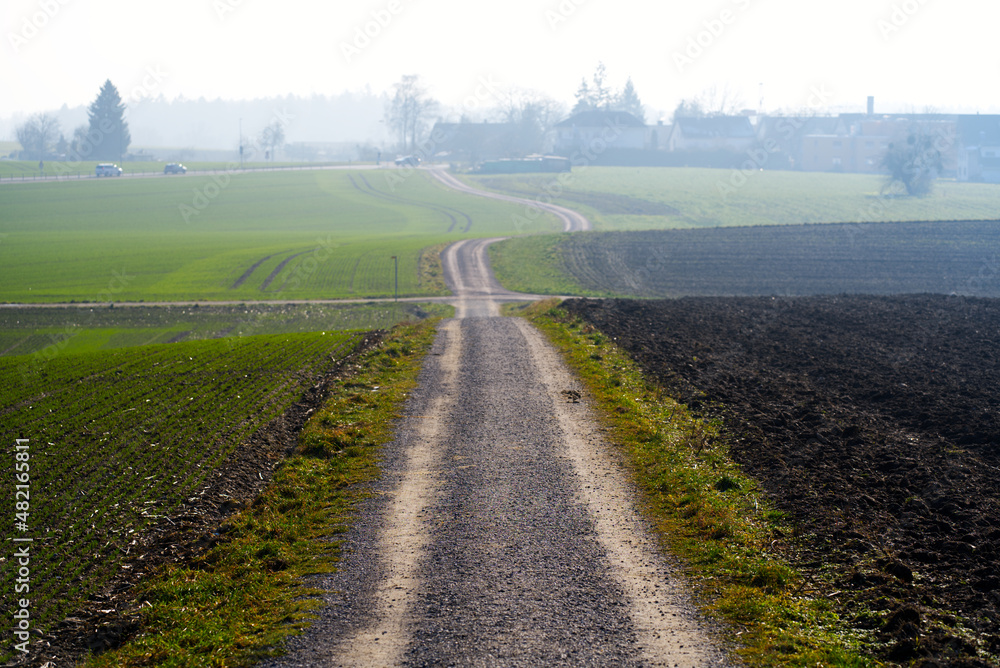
<point>871,105</point>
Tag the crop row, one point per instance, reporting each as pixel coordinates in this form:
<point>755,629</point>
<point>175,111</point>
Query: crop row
<point>115,433</point>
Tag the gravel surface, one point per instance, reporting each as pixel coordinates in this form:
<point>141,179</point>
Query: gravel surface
<point>504,531</point>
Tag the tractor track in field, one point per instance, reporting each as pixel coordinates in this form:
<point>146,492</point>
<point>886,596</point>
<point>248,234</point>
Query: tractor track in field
<point>277,270</point>
<point>448,212</point>
<point>249,272</point>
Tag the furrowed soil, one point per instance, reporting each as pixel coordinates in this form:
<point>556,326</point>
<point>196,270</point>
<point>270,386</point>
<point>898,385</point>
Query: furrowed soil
<point>872,422</point>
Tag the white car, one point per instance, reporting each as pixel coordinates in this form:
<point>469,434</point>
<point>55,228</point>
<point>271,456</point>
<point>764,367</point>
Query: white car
<point>108,169</point>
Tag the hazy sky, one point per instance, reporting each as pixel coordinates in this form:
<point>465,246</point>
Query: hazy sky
<point>910,54</point>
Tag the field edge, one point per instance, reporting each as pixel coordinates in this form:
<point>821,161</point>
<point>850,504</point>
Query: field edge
<point>734,547</point>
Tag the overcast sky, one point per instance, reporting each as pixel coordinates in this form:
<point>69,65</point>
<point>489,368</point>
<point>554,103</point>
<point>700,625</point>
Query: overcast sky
<point>911,54</point>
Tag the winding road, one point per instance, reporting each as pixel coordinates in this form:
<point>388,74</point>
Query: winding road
<point>504,531</point>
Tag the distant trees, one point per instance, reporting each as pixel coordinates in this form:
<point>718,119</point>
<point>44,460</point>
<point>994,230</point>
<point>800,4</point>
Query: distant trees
<point>628,100</point>
<point>108,133</point>
<point>914,165</point>
<point>410,111</point>
<point>712,101</point>
<point>37,135</point>
<point>273,136</point>
<point>532,115</point>
<point>597,96</point>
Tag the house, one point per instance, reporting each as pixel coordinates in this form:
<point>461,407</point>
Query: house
<point>711,133</point>
<point>979,148</point>
<point>475,142</point>
<point>597,131</point>
<point>784,137</point>
<point>860,141</point>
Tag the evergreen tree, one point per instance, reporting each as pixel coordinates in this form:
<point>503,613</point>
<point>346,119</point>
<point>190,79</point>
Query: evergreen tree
<point>108,128</point>
<point>601,96</point>
<point>629,101</point>
<point>584,99</point>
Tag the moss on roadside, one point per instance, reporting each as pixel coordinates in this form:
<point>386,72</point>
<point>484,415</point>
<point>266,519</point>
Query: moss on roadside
<point>736,547</point>
<point>239,600</point>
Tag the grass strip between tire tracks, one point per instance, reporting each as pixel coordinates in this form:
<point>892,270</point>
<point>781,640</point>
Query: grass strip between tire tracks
<point>735,548</point>
<point>235,603</point>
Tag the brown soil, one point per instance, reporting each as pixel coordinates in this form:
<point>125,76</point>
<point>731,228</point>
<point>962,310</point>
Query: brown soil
<point>112,616</point>
<point>871,421</point>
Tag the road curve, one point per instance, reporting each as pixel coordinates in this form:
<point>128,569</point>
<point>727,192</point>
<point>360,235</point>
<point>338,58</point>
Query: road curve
<point>504,531</point>
<point>572,220</point>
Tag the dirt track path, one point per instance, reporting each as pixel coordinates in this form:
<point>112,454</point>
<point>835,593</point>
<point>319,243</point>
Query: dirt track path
<point>504,531</point>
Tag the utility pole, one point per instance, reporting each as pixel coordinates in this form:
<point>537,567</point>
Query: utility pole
<point>241,143</point>
<point>395,262</point>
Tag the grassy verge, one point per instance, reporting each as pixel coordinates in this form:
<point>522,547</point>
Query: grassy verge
<point>236,602</point>
<point>431,270</point>
<point>530,263</point>
<point>737,549</point>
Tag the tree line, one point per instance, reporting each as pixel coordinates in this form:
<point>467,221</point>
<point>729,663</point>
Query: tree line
<point>105,137</point>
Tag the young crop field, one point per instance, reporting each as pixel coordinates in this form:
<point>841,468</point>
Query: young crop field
<point>319,234</point>
<point>632,198</point>
<point>115,441</point>
<point>44,332</point>
<point>878,258</point>
<point>27,170</point>
<point>871,422</point>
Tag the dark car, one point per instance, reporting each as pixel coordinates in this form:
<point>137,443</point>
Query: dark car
<point>410,160</point>
<point>175,168</point>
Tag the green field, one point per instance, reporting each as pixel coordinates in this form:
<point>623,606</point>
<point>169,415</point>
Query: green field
<point>321,234</point>
<point>16,170</point>
<point>631,198</point>
<point>45,332</point>
<point>119,439</point>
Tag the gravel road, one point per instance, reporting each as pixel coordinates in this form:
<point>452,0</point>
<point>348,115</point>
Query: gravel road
<point>504,531</point>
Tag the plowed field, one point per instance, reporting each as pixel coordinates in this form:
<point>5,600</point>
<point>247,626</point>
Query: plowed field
<point>873,422</point>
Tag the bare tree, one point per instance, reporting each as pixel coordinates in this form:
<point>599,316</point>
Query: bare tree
<point>715,101</point>
<point>273,136</point>
<point>37,135</point>
<point>410,110</point>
